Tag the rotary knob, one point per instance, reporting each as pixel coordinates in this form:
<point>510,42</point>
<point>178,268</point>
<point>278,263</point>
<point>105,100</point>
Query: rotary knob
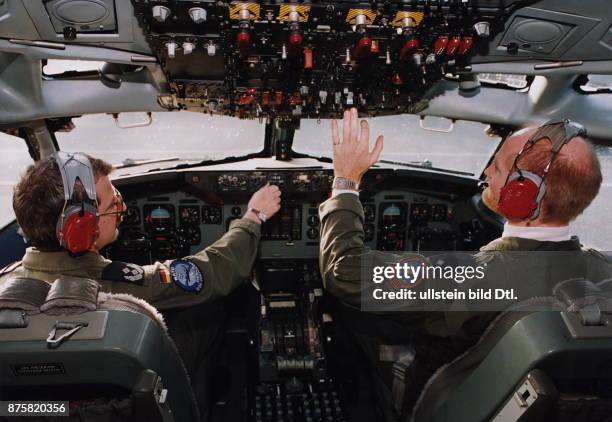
<point>188,47</point>
<point>211,49</point>
<point>197,15</point>
<point>171,48</point>
<point>482,29</point>
<point>312,233</point>
<point>160,13</point>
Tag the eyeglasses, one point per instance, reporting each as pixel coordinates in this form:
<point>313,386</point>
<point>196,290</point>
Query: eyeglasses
<point>119,205</point>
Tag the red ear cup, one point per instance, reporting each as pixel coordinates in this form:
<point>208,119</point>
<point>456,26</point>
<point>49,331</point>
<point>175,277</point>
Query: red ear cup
<point>79,229</point>
<point>520,197</point>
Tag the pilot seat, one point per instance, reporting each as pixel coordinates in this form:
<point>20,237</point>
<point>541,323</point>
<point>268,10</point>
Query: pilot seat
<point>108,355</point>
<point>532,365</point>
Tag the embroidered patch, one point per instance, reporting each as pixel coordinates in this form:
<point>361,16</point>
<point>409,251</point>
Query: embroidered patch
<point>123,271</point>
<point>186,275</point>
<point>164,275</point>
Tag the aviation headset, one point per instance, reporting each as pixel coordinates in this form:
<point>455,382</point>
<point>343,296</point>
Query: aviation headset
<point>77,226</point>
<point>521,197</point>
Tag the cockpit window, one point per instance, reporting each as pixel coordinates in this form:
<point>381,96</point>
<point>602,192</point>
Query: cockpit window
<point>511,81</point>
<point>13,162</point>
<point>504,80</point>
<point>57,67</point>
<point>466,148</point>
<point>593,84</point>
<point>184,135</point>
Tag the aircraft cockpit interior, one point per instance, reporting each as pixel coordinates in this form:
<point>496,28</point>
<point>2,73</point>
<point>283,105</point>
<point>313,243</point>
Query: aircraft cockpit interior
<point>198,104</point>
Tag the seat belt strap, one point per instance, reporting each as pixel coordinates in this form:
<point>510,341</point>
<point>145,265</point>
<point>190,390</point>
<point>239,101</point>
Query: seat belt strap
<point>402,357</point>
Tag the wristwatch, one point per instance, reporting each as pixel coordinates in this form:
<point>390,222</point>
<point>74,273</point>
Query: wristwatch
<point>259,214</point>
<point>344,183</point>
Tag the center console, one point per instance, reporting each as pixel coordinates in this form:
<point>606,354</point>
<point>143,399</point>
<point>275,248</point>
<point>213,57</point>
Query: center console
<point>292,381</point>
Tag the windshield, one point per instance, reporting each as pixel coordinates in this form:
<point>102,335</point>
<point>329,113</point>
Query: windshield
<point>186,135</point>
<point>467,148</point>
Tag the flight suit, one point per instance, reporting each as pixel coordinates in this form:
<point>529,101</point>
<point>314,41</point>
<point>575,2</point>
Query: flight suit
<point>222,267</point>
<point>194,318</point>
<point>342,249</point>
<point>436,337</point>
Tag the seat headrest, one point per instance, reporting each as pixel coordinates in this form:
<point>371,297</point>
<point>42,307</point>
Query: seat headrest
<point>579,293</point>
<point>71,295</point>
<point>26,294</point>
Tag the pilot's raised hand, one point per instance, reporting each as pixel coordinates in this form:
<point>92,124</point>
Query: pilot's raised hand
<point>352,155</point>
<point>264,203</point>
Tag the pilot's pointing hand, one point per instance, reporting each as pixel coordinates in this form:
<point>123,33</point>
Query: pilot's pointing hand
<point>352,155</point>
<point>264,203</point>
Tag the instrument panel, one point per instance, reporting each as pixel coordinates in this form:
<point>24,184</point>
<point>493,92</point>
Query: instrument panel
<point>182,222</point>
<point>300,181</point>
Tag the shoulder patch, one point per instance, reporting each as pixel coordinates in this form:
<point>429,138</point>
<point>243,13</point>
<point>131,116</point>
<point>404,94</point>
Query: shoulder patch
<point>123,271</point>
<point>164,275</point>
<point>186,275</point>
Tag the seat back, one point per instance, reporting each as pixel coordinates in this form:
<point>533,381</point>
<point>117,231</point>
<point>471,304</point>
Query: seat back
<point>526,355</point>
<point>80,345</point>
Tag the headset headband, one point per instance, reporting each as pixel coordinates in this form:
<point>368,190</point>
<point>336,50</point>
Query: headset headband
<point>76,169</point>
<point>560,132</point>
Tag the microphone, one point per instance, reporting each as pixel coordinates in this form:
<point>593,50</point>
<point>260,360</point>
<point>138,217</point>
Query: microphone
<point>482,185</point>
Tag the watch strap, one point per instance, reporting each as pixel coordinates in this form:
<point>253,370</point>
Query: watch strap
<point>259,214</point>
<point>345,184</point>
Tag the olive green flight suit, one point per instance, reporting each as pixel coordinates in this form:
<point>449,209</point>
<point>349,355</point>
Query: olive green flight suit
<point>437,337</point>
<point>195,320</point>
<point>342,248</point>
<point>224,266</point>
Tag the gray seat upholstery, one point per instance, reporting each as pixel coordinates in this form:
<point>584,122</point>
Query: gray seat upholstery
<point>72,342</point>
<point>567,343</point>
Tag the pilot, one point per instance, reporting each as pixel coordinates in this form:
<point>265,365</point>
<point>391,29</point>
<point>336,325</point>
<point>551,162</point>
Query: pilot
<point>69,210</point>
<point>572,175</point>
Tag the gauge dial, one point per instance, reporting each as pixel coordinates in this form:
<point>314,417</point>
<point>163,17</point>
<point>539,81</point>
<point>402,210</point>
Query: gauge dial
<point>159,218</point>
<point>393,215</point>
<point>420,212</point>
<point>313,220</point>
<point>189,215</point>
<point>190,235</point>
<point>312,233</point>
<point>211,214</point>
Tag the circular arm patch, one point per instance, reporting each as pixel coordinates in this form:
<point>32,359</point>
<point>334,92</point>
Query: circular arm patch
<point>186,275</point>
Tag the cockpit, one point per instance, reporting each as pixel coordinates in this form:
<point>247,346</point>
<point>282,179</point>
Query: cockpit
<point>198,104</point>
